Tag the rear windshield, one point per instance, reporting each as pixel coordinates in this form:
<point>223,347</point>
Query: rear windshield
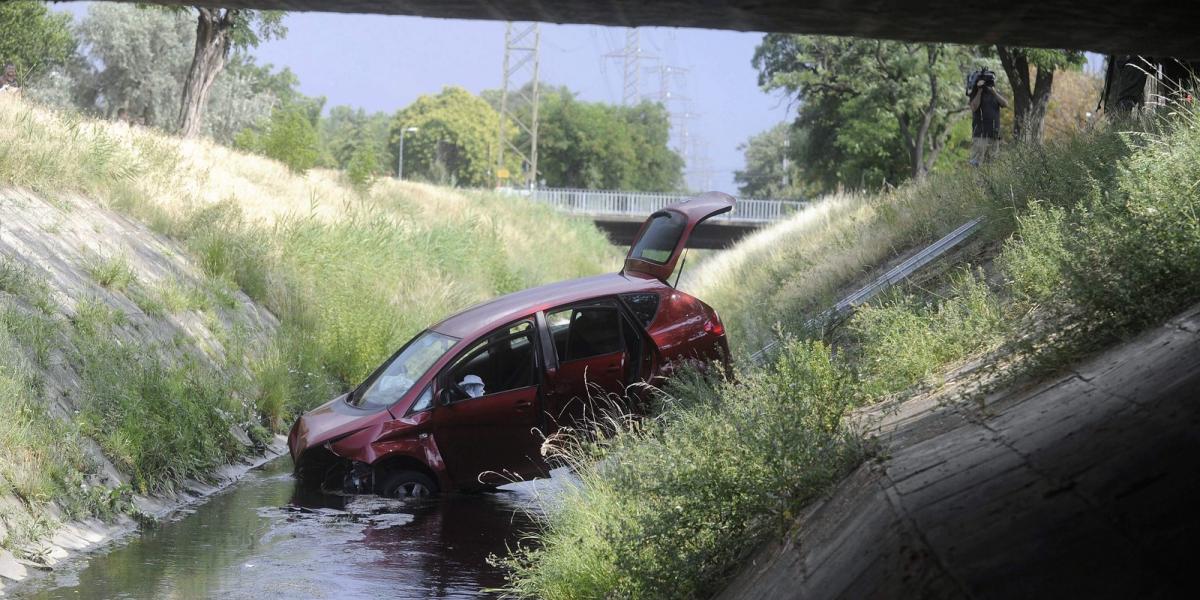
<point>660,238</point>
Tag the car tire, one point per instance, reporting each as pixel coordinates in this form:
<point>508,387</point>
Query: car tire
<point>407,484</point>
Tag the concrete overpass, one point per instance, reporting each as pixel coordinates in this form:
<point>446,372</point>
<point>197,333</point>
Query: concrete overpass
<point>1153,27</point>
<point>621,214</point>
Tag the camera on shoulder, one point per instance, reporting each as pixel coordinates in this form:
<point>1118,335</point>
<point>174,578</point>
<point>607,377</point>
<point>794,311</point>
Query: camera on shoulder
<point>983,74</point>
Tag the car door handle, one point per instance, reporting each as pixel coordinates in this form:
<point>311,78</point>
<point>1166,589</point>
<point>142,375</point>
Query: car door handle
<point>523,405</point>
<point>613,368</point>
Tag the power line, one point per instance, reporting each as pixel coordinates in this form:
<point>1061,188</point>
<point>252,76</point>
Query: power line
<point>522,45</point>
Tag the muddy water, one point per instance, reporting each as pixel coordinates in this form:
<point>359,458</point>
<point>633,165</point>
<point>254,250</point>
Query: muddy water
<point>263,538</point>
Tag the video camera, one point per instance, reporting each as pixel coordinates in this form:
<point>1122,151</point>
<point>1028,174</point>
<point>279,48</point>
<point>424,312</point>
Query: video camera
<point>988,77</point>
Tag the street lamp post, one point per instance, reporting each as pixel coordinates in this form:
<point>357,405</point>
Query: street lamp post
<point>400,160</point>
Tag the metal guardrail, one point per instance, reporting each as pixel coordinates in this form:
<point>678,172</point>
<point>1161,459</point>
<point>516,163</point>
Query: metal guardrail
<point>642,204</point>
<point>893,276</point>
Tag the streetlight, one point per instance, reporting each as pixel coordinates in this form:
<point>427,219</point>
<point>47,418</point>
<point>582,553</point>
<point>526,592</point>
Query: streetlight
<point>400,161</point>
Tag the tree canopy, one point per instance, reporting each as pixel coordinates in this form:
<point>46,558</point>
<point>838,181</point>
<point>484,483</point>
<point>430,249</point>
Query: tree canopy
<point>1030,74</point>
<point>136,59</point>
<point>219,32</point>
<point>873,111</point>
<point>33,38</point>
<point>764,175</point>
<point>454,142</point>
<point>595,145</point>
<point>347,132</point>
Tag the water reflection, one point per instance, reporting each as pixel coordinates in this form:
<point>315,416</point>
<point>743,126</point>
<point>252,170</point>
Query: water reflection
<point>264,539</point>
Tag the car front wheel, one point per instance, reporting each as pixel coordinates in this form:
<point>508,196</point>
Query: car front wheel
<point>407,484</point>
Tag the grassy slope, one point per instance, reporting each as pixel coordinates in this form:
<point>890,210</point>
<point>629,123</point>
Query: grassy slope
<point>1093,238</point>
<point>351,275</point>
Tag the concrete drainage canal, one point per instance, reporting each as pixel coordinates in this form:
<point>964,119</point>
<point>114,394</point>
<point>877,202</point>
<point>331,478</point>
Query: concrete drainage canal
<point>266,538</point>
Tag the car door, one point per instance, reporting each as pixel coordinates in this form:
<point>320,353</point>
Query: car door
<point>593,360</point>
<point>486,437</point>
<point>661,240</point>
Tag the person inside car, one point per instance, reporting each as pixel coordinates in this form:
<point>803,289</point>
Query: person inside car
<point>472,385</point>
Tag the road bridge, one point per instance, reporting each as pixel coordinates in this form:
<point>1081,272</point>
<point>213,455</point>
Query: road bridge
<point>1153,27</point>
<point>621,214</point>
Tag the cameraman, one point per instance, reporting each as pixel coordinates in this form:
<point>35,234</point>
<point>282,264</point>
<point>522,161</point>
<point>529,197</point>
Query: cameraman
<point>985,118</point>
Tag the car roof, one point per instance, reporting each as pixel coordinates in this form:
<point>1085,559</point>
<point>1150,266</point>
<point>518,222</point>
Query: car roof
<point>484,317</point>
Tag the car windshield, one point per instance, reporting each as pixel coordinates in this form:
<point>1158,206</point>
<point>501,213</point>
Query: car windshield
<point>398,376</point>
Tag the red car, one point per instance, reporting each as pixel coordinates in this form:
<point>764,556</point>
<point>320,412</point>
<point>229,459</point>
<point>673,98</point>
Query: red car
<point>466,403</point>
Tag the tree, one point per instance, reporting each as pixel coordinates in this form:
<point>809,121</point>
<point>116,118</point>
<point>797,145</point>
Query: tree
<point>347,133</point>
<point>455,139</point>
<point>289,137</point>
<point>34,39</point>
<point>594,145</point>
<point>137,59</point>
<point>1030,72</point>
<point>655,167</point>
<point>916,86</point>
<point>218,32</point>
<point>765,175</point>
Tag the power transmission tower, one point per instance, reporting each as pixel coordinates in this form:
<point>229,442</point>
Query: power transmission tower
<point>700,172</point>
<point>519,89</point>
<point>679,107</point>
<point>631,71</point>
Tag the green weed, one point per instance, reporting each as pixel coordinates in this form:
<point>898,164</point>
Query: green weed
<point>907,340</point>
<point>21,281</point>
<point>112,273</point>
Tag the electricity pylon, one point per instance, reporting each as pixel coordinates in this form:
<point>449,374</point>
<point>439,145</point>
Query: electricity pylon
<point>519,89</point>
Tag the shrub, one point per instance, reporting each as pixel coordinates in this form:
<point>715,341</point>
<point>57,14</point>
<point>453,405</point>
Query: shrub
<point>289,137</point>
<point>905,341</point>
<point>1032,260</point>
<point>1134,251</point>
<point>363,166</point>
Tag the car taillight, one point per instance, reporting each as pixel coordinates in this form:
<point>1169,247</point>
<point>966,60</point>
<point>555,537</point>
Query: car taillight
<point>714,327</point>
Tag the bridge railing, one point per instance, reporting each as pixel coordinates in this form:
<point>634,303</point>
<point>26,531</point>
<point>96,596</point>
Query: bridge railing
<point>642,204</point>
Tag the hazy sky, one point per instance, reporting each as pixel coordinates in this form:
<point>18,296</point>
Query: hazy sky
<point>383,63</point>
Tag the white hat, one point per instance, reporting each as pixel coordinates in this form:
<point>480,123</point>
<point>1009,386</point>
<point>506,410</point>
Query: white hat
<point>472,385</point>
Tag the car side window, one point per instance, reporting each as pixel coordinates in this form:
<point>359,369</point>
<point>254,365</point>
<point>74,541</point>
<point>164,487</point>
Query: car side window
<point>503,361</point>
<point>643,305</point>
<point>584,332</point>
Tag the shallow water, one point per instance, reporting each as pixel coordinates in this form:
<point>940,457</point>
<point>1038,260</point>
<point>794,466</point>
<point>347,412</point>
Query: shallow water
<point>265,538</point>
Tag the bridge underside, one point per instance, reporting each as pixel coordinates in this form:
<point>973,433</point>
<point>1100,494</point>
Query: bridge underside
<point>708,236</point>
<point>1150,27</point>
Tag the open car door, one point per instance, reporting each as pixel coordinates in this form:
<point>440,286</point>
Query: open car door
<point>661,240</point>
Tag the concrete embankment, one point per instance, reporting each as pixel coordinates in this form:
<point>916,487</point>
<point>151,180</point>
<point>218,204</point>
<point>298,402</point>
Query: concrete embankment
<point>1085,485</point>
<point>72,271</point>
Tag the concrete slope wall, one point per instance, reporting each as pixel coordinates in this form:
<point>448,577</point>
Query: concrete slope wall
<point>60,245</point>
<point>1082,486</point>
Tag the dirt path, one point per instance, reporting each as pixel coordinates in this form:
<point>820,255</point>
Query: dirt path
<point>1083,486</point>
